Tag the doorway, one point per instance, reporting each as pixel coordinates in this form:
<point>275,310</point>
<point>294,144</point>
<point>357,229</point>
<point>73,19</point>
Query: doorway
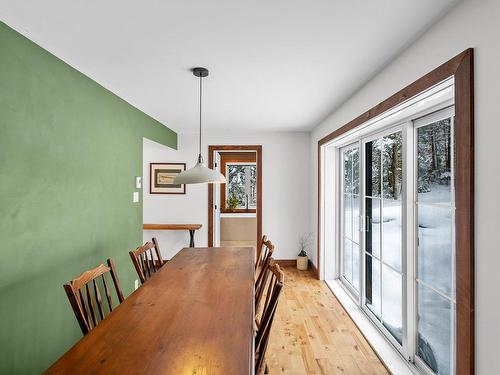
<point>235,208</point>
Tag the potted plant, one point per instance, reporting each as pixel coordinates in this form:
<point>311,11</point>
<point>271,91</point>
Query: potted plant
<point>302,260</point>
<point>232,202</point>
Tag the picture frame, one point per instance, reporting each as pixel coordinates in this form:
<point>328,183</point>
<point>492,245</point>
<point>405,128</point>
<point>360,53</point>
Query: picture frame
<point>161,176</point>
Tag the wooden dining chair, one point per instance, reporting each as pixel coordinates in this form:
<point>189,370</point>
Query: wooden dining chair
<point>274,285</point>
<point>260,247</point>
<point>266,256</point>
<point>147,262</point>
<point>85,297</point>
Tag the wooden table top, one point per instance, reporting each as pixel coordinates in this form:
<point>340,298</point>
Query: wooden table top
<point>172,226</point>
<point>194,316</point>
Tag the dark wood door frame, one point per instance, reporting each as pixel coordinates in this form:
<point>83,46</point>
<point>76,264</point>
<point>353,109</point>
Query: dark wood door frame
<point>258,150</point>
<point>461,67</point>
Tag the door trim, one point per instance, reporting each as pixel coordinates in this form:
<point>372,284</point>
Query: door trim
<point>258,150</point>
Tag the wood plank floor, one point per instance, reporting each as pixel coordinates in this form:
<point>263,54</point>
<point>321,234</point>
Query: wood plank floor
<point>312,333</point>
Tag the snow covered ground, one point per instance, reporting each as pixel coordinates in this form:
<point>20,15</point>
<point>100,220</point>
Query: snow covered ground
<point>435,260</point>
<point>435,268</point>
<point>387,298</point>
<point>435,265</point>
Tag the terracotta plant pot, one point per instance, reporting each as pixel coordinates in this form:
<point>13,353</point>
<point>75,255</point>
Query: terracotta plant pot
<point>302,263</point>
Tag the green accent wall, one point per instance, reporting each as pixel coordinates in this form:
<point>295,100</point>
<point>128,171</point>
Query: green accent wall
<point>69,154</point>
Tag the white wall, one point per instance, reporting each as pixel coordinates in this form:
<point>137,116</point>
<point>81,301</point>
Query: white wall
<point>473,23</point>
<point>286,189</point>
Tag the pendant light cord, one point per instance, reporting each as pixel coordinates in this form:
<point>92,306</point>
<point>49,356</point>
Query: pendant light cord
<point>200,157</point>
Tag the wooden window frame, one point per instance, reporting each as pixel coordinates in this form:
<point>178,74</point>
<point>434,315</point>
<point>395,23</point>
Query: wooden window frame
<point>461,68</point>
<point>223,208</point>
<point>258,151</point>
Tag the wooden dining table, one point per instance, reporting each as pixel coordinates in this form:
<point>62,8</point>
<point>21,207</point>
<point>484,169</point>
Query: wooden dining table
<point>194,316</point>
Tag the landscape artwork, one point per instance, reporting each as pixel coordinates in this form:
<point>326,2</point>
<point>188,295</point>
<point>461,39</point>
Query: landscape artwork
<point>162,177</point>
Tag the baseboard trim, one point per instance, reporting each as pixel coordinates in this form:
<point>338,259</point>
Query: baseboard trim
<point>313,269</point>
<point>293,262</point>
<point>286,262</point>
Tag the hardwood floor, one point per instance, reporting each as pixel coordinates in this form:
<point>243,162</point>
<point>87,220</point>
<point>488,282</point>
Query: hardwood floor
<point>312,333</point>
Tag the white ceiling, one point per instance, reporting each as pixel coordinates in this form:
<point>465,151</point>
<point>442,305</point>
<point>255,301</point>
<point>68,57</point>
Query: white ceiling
<point>274,64</point>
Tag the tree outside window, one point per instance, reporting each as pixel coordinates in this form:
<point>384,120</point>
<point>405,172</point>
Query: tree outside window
<point>241,186</point>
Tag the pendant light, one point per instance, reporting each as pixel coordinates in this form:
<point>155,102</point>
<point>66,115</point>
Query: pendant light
<point>199,173</point>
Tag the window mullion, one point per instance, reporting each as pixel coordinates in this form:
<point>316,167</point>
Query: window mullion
<point>362,227</point>
<point>381,231</point>
<point>248,176</point>
<point>342,212</point>
<point>351,157</point>
<point>409,178</point>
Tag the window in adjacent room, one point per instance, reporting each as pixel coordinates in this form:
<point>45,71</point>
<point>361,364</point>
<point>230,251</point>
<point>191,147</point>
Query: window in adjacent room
<point>241,187</point>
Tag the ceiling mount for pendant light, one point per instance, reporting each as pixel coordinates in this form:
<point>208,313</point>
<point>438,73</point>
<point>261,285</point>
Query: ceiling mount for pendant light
<point>199,173</point>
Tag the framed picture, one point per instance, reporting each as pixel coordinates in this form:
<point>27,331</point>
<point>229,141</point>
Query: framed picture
<point>162,176</point>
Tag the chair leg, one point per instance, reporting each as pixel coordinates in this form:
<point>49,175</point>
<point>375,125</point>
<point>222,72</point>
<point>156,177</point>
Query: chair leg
<point>266,371</point>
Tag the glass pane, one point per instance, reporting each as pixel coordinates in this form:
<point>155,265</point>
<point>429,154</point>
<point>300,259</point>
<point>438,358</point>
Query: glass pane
<point>347,261</point>
<point>373,226</point>
<point>355,171</point>
<point>373,164</point>
<point>435,261</point>
<point>347,216</point>
<point>236,183</point>
<point>392,165</point>
<point>355,266</point>
<point>392,236</point>
<point>241,186</point>
<point>392,306</point>
<point>253,186</point>
<point>434,325</point>
<point>355,218</point>
<point>347,172</point>
<point>372,281</point>
<point>434,154</point>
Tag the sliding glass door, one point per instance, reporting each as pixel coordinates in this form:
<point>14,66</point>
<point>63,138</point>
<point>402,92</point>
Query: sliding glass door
<point>350,217</point>
<point>397,235</point>
<point>435,217</point>
<point>383,169</point>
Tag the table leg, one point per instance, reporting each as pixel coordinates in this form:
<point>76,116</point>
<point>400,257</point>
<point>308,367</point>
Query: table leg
<point>191,238</point>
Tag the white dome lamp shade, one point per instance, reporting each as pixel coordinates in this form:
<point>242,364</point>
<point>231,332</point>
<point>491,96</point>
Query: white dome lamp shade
<point>200,173</point>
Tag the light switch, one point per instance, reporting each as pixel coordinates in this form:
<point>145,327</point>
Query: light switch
<point>138,182</point>
<point>135,197</point>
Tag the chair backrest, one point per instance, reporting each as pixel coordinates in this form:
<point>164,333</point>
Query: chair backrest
<point>260,248</point>
<point>274,285</point>
<point>85,297</point>
<point>146,261</point>
<point>266,255</point>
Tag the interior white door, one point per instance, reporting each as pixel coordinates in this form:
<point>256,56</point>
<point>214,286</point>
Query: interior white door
<point>217,202</point>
